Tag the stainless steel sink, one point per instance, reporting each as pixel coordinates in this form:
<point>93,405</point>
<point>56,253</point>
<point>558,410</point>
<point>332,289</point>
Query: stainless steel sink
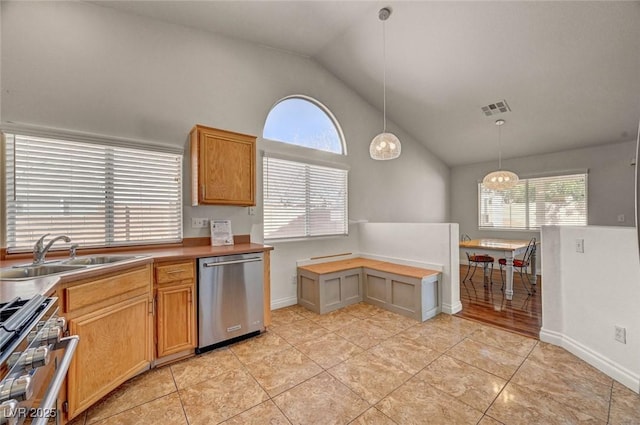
<point>95,260</point>
<point>29,272</point>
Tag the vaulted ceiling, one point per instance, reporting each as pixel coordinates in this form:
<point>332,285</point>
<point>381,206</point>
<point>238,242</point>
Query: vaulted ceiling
<point>569,71</point>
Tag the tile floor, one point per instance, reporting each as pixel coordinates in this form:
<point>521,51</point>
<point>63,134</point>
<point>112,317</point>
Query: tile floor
<point>362,365</point>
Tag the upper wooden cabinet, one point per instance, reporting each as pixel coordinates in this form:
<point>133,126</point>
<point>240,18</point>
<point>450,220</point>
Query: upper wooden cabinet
<point>223,167</point>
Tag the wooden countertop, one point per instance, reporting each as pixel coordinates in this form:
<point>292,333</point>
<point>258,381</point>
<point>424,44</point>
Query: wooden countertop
<point>45,285</point>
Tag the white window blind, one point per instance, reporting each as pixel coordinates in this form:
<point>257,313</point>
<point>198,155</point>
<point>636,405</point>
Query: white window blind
<point>303,200</point>
<point>555,200</point>
<point>97,195</point>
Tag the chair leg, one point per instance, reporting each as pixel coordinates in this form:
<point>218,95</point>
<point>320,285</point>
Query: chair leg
<point>501,278</point>
<point>475,266</point>
<point>523,283</point>
<point>468,270</point>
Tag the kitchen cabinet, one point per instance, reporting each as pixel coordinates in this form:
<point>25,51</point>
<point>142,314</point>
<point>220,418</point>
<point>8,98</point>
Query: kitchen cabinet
<point>176,313</point>
<point>113,316</point>
<point>223,167</point>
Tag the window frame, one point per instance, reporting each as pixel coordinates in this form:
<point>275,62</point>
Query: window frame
<point>528,227</point>
<point>123,147</point>
<point>324,109</point>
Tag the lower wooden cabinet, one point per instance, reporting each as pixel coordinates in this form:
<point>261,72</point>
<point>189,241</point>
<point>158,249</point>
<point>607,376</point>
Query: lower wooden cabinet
<point>175,319</point>
<point>175,288</point>
<point>113,316</point>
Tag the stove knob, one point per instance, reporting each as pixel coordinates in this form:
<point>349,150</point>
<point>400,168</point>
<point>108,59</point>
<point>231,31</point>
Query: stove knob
<point>46,336</point>
<point>61,322</point>
<point>8,410</point>
<point>16,388</point>
<point>30,359</point>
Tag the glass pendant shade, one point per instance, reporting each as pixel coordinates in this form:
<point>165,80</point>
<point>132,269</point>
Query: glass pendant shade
<point>500,180</point>
<point>385,146</point>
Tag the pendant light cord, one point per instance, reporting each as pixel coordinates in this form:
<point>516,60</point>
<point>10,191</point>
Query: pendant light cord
<point>384,77</point>
<point>499,147</point>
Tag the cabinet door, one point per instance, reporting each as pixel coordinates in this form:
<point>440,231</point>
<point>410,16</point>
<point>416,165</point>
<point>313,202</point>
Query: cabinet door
<point>115,344</point>
<point>176,319</point>
<point>225,167</point>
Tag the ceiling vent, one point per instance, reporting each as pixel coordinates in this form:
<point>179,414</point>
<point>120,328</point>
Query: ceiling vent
<point>496,108</point>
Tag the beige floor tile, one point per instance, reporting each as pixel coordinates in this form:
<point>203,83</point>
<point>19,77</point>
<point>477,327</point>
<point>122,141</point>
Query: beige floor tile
<point>329,350</point>
<point>285,315</point>
<point>460,325</point>
<point>404,353</point>
<point>139,390</point>
<point>280,371</point>
<point>78,420</point>
<point>487,420</point>
<point>254,349</point>
<point>625,406</point>
<point>417,402</point>
<point>507,341</point>
<point>164,410</point>
<point>364,335</point>
<point>362,310</point>
<point>488,358</point>
<point>300,331</point>
<point>215,400</point>
<point>585,395</point>
<point>519,406</point>
<point>264,413</point>
<point>335,320</point>
<point>369,376</point>
<point>391,321</point>
<point>205,366</point>
<point>321,400</point>
<point>373,417</point>
<point>433,337</point>
<point>468,384</point>
<point>557,358</point>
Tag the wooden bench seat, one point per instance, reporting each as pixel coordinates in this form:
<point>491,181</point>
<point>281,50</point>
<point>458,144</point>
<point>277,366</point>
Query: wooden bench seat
<point>407,290</point>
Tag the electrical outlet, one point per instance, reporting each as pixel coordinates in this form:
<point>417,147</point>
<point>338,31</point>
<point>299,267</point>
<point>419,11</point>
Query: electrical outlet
<point>251,210</point>
<point>621,334</point>
<point>620,218</point>
<point>197,223</point>
<point>294,279</point>
<point>580,245</point>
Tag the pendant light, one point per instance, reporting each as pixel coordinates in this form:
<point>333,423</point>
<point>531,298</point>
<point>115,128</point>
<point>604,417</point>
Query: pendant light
<point>500,179</point>
<point>385,145</point>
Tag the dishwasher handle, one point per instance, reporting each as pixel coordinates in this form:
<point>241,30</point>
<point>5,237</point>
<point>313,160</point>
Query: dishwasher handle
<point>224,263</point>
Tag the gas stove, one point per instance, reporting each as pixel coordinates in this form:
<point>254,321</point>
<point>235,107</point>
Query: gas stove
<point>34,358</point>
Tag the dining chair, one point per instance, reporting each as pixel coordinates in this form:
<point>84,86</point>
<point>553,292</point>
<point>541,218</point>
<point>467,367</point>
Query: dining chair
<point>476,259</point>
<point>521,266</point>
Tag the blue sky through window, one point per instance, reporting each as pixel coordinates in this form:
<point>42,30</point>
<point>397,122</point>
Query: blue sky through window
<point>301,122</point>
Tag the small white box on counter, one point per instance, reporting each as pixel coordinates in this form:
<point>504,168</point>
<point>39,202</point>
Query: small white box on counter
<point>221,233</point>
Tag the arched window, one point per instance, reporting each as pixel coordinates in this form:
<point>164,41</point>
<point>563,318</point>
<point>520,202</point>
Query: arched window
<point>303,121</point>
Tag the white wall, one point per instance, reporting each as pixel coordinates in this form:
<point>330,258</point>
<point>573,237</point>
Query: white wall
<point>587,294</point>
<point>86,68</point>
<point>424,243</point>
<point>610,186</point>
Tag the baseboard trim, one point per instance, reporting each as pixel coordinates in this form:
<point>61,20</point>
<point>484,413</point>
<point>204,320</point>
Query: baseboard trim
<point>452,309</point>
<point>595,359</point>
<point>284,302</point>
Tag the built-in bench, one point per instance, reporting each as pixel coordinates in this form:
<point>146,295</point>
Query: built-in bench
<point>407,290</point>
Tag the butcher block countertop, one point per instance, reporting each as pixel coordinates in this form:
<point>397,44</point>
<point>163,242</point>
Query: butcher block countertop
<point>46,285</point>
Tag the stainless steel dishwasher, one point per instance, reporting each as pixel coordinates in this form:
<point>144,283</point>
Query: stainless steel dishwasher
<point>230,299</point>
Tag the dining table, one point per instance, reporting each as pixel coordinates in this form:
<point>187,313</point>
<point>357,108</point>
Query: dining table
<point>510,249</point>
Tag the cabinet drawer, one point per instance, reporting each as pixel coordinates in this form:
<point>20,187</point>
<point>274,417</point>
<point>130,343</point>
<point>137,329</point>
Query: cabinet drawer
<point>175,272</point>
<point>109,290</point>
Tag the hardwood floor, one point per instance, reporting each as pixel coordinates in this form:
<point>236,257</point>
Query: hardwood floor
<point>487,304</point>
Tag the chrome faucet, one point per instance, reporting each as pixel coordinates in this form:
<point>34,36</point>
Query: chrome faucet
<point>40,250</point>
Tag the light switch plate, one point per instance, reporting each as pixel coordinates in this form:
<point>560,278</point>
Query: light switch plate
<point>580,245</point>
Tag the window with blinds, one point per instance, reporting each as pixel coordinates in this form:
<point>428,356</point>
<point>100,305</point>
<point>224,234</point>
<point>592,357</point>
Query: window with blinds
<point>97,195</point>
<point>303,200</point>
<point>555,200</point>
